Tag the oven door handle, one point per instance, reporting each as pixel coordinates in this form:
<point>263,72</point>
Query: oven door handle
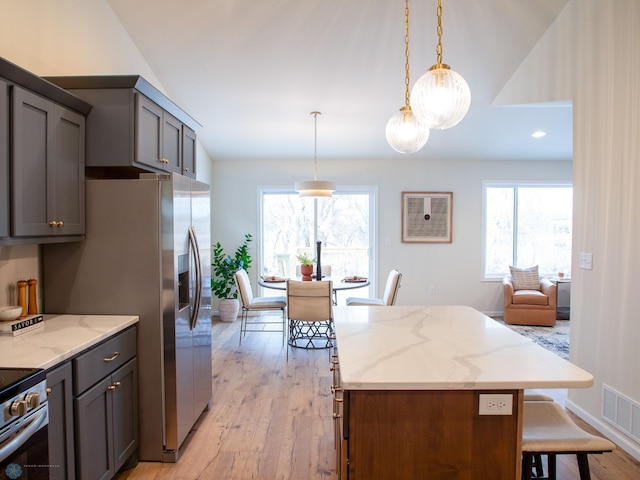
<point>36,421</point>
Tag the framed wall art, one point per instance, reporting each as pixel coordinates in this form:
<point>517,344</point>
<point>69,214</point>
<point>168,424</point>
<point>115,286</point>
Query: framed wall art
<point>427,217</point>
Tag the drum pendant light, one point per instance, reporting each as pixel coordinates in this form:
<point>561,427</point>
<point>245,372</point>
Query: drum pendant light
<point>315,187</point>
<point>441,97</point>
<point>404,132</point>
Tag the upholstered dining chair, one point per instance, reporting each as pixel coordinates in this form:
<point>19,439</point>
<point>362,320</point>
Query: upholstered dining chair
<point>249,303</point>
<point>390,292</point>
<point>310,313</point>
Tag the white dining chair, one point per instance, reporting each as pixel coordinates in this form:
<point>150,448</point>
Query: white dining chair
<point>249,304</point>
<point>390,292</point>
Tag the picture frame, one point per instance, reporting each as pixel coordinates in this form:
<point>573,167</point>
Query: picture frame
<point>427,217</point>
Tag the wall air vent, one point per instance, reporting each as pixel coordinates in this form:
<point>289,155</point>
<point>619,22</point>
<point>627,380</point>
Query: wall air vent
<point>621,411</point>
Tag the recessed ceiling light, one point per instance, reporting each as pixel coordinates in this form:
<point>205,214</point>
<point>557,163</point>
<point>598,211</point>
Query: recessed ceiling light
<point>538,134</point>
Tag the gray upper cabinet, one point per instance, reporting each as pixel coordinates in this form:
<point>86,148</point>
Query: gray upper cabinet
<point>188,151</point>
<point>4,161</point>
<point>42,155</point>
<point>48,167</point>
<point>133,127</point>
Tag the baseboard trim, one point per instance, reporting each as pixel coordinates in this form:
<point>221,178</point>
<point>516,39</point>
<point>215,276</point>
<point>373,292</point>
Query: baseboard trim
<point>604,428</point>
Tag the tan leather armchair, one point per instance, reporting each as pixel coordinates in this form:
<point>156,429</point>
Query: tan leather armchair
<point>530,307</point>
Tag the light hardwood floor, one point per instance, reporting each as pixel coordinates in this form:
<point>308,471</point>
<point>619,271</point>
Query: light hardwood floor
<point>272,419</point>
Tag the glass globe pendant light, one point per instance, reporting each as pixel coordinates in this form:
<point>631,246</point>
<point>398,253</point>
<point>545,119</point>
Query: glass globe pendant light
<point>404,132</point>
<point>315,187</point>
<point>441,97</point>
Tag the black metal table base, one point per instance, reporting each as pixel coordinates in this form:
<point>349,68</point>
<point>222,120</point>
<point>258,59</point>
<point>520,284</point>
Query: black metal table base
<point>310,334</point>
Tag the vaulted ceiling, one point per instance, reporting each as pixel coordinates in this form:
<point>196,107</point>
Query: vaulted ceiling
<point>251,71</point>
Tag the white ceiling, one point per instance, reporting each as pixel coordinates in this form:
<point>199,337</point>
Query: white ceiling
<point>251,71</point>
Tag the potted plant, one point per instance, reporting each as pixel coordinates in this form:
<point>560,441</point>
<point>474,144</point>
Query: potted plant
<point>223,285</point>
<point>306,265</point>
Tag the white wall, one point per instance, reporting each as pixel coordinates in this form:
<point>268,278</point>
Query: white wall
<point>453,269</point>
<point>592,55</point>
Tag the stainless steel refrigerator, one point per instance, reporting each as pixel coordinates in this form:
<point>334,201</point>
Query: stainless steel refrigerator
<point>147,252</point>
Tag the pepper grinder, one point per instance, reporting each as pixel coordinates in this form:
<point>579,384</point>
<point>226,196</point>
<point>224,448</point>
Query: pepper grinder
<point>33,303</point>
<point>22,296</point>
<point>318,264</point>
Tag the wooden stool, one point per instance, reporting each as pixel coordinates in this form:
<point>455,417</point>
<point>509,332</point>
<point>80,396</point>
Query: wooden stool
<point>548,430</point>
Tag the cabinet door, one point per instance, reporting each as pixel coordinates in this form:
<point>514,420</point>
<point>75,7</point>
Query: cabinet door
<point>4,160</point>
<point>67,172</point>
<point>188,152</point>
<point>61,431</point>
<point>171,143</point>
<point>32,122</point>
<point>148,133</point>
<point>94,432</point>
<point>125,412</point>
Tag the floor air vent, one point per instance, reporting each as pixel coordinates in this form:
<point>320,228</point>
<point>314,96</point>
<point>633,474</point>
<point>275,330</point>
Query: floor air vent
<point>621,412</point>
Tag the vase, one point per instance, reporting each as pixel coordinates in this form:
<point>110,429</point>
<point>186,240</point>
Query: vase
<point>306,271</point>
<point>228,308</point>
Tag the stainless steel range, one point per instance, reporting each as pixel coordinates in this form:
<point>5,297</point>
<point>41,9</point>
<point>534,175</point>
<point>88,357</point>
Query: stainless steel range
<point>24,445</point>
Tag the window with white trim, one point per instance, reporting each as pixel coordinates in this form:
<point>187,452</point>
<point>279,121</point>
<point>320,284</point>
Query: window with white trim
<point>344,223</point>
<point>527,224</point>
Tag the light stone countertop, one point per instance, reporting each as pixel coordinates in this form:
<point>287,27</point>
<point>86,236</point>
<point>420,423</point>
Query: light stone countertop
<point>442,348</point>
<point>62,337</point>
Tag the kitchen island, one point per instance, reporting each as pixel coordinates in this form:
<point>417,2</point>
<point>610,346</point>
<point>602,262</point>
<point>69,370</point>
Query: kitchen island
<point>411,381</point>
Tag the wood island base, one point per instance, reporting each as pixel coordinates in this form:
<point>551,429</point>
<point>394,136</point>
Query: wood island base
<point>428,435</point>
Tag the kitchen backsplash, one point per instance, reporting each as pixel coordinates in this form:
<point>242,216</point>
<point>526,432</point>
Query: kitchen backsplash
<point>16,263</point>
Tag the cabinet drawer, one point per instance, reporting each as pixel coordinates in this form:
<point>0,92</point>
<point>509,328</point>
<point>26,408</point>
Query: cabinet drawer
<point>103,359</point>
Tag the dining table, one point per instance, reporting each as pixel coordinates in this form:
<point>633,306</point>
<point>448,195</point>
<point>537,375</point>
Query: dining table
<point>339,284</point>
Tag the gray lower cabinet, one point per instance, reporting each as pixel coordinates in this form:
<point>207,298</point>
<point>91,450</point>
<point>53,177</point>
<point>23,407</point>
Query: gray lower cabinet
<point>93,410</point>
<point>106,422</point>
<point>61,425</point>
<point>106,406</point>
<point>48,167</point>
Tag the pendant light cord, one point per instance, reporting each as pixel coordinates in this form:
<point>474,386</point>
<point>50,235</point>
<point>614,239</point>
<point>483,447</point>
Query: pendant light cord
<point>406,53</point>
<point>315,145</point>
<point>439,32</point>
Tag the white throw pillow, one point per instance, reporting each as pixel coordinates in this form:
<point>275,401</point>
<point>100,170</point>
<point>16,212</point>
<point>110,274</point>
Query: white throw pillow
<point>525,278</point>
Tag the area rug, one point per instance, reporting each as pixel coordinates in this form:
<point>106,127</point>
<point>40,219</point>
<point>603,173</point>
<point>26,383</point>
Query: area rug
<point>555,339</point>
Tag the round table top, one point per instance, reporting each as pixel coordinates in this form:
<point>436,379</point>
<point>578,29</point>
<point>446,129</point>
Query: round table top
<point>338,283</point>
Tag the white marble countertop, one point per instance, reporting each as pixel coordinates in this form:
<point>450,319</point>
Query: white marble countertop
<point>442,348</point>
<point>62,337</point>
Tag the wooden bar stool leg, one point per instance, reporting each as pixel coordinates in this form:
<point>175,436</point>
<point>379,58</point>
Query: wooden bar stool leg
<point>583,466</point>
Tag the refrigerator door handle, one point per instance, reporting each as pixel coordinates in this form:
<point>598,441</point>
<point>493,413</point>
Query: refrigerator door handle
<point>195,250</point>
